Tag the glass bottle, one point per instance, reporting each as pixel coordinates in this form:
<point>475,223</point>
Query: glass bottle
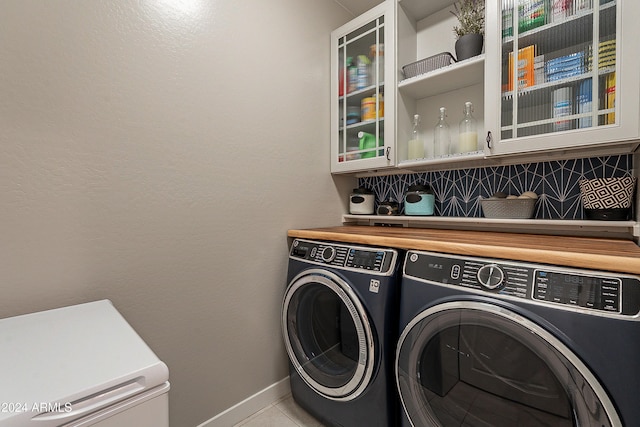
<point>468,140</point>
<point>416,146</point>
<point>376,53</point>
<point>441,135</point>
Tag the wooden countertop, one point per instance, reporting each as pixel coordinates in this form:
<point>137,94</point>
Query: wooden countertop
<point>582,252</point>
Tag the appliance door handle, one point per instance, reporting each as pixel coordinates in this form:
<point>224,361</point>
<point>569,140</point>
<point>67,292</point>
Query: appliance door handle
<point>92,403</point>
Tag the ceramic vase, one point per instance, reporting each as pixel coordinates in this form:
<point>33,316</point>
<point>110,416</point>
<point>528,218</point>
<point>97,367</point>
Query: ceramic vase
<point>468,46</point>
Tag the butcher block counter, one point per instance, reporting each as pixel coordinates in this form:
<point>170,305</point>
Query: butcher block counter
<point>582,252</point>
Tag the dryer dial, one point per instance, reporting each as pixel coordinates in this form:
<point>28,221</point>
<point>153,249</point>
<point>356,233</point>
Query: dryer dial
<point>490,276</point>
<point>328,254</point>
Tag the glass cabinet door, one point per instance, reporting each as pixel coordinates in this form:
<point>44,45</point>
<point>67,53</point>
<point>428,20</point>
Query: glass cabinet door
<point>563,76</point>
<point>358,111</point>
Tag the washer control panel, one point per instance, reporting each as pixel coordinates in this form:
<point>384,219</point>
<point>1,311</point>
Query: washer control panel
<point>586,289</point>
<point>343,256</point>
<point>582,290</point>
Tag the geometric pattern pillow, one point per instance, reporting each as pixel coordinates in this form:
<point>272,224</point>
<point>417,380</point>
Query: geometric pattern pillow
<point>607,193</point>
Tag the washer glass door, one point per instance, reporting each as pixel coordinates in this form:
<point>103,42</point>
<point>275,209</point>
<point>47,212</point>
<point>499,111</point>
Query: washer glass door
<point>327,334</point>
<point>476,364</point>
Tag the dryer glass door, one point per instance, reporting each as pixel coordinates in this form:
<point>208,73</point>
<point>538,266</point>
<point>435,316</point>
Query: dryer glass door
<point>475,364</point>
<point>328,335</point>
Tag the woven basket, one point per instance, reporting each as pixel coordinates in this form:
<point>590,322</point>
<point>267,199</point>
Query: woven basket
<point>607,193</point>
<point>428,64</point>
<point>508,208</point>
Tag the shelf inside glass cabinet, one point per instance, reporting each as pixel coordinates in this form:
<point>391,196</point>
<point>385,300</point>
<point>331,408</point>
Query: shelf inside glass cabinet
<point>455,76</point>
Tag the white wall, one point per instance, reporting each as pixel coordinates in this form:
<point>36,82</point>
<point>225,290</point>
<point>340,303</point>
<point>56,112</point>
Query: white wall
<point>155,153</point>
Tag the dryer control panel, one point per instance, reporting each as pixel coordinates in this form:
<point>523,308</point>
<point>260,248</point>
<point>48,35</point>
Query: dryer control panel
<point>585,289</point>
<point>357,258</point>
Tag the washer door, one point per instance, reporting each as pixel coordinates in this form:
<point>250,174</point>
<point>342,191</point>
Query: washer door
<point>328,335</point>
<point>470,364</point>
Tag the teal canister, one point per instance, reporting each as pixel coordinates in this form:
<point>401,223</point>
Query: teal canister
<point>419,200</point>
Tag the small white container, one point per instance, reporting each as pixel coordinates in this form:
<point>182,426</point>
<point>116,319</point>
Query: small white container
<point>361,202</point>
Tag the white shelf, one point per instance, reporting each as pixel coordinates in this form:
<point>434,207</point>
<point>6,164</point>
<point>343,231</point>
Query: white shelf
<point>524,125</point>
<point>451,161</point>
<point>445,79</point>
<point>611,229</point>
<point>546,85</point>
<point>420,9</point>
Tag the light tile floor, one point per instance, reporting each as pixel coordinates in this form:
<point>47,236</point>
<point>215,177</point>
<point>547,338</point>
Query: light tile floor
<point>282,413</point>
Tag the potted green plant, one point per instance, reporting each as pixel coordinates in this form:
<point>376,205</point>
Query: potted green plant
<point>470,32</point>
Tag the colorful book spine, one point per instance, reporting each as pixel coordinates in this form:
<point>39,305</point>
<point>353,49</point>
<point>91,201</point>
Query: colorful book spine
<point>539,75</point>
<point>526,76</point>
<point>507,18</point>
<point>610,97</point>
<point>531,14</point>
<point>562,107</point>
<point>583,103</point>
<point>560,10</point>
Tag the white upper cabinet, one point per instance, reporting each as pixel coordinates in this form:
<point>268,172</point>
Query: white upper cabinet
<point>575,82</point>
<point>363,92</point>
<point>573,90</point>
<point>430,79</point>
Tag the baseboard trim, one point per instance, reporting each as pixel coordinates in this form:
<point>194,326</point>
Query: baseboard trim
<point>250,405</point>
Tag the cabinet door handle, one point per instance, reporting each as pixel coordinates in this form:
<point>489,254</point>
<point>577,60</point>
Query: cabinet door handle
<point>489,140</point>
<point>389,153</point>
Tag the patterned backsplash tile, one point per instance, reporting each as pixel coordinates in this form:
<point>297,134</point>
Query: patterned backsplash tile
<point>458,192</point>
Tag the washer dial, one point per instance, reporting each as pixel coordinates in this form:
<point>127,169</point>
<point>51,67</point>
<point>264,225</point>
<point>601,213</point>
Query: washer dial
<point>328,254</point>
<point>490,276</point>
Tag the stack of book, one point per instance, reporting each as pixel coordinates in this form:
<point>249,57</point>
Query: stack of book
<point>565,66</point>
<point>606,55</point>
<point>531,14</point>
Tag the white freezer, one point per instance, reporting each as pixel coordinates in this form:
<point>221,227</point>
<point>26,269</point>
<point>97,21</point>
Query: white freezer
<point>79,366</point>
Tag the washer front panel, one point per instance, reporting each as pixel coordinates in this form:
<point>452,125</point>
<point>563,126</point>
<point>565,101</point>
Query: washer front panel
<point>588,291</point>
<point>328,335</point>
<point>471,363</point>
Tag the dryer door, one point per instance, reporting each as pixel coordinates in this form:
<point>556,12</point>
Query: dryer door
<point>468,363</point>
<point>328,335</point>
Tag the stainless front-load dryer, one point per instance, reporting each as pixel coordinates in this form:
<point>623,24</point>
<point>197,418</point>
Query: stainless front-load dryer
<point>497,343</point>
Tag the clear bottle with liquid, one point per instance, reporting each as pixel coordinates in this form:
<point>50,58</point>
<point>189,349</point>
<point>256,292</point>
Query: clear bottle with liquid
<point>376,54</point>
<point>441,135</point>
<point>468,140</point>
<point>416,146</point>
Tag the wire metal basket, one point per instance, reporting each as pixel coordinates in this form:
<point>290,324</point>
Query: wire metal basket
<point>428,64</point>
